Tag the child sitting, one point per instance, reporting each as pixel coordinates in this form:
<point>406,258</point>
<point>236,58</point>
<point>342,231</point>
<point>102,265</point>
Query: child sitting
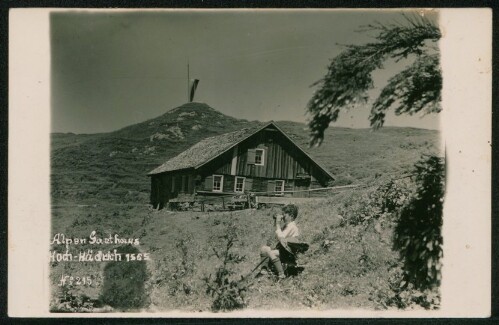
<point>288,230</point>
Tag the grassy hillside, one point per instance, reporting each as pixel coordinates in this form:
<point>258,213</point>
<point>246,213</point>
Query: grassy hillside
<point>360,155</point>
<point>112,167</point>
<point>99,183</point>
<point>348,265</point>
<point>347,273</point>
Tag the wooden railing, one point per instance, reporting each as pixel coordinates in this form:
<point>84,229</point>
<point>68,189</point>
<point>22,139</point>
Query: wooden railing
<point>250,199</point>
<point>323,189</point>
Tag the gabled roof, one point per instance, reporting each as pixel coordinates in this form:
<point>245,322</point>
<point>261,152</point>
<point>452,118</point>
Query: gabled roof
<point>212,147</point>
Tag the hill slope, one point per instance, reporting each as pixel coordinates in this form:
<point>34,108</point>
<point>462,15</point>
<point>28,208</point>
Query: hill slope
<point>112,167</point>
<point>347,265</point>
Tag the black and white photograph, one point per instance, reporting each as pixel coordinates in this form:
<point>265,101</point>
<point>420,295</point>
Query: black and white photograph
<point>252,162</point>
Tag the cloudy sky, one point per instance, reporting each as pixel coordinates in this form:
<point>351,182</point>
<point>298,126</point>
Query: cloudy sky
<point>112,69</point>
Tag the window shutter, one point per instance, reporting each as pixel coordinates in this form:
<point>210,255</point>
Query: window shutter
<point>190,183</point>
<point>251,157</point>
<point>183,186</point>
<point>248,186</point>
<point>208,183</point>
<point>271,186</point>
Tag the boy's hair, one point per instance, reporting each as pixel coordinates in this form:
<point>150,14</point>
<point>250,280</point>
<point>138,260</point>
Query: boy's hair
<point>290,209</point>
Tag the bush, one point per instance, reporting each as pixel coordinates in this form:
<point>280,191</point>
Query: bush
<point>417,235</point>
<point>400,295</point>
<point>124,282</point>
<point>417,216</point>
<point>228,293</point>
<point>383,201</point>
<point>179,276</point>
<point>70,300</point>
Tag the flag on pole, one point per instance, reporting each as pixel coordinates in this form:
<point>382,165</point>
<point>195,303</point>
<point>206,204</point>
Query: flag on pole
<point>192,90</point>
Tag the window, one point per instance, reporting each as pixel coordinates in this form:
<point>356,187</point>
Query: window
<point>218,181</point>
<point>279,187</point>
<point>259,157</point>
<point>256,157</point>
<point>239,185</point>
<point>173,184</point>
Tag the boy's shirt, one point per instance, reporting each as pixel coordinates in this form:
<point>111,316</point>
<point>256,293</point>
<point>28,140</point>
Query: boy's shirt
<point>291,230</point>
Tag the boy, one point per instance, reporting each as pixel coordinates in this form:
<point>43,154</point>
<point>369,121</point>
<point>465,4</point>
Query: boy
<point>288,230</point>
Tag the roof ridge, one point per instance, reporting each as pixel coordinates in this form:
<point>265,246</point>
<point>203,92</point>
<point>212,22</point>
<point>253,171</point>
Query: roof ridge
<point>223,134</point>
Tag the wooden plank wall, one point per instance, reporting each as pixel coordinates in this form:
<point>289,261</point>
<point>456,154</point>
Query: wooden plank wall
<point>282,160</point>
<point>229,182</point>
<point>161,186</point>
<point>260,185</point>
<point>278,161</point>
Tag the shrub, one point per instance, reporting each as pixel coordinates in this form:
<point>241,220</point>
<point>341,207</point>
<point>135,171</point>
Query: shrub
<point>124,282</point>
<point>382,201</point>
<point>71,300</point>
<point>227,292</point>
<point>417,235</point>
<point>401,295</point>
<point>184,270</point>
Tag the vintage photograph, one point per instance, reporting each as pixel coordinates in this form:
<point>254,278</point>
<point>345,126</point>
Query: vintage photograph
<point>216,161</point>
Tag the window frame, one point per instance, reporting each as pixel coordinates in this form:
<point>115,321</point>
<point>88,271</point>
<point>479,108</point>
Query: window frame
<point>281,192</point>
<point>221,183</point>
<point>235,184</point>
<point>262,163</point>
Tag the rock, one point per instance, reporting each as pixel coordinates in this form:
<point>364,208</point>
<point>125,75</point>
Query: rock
<point>176,131</point>
<point>158,136</point>
<point>336,221</point>
<point>191,114</point>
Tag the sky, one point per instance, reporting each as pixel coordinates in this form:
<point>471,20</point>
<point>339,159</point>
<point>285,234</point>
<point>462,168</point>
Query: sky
<point>111,69</point>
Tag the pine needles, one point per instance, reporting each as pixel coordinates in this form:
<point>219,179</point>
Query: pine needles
<point>349,75</point>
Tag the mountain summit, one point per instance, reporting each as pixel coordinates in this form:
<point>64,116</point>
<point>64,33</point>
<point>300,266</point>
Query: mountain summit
<point>179,122</point>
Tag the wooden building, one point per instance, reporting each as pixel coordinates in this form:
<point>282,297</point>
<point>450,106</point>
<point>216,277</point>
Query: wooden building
<point>261,160</point>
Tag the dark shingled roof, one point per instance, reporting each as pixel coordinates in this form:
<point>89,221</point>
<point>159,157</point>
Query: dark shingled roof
<point>205,150</point>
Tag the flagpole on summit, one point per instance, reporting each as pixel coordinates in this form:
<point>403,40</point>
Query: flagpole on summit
<point>191,87</point>
<point>188,90</point>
